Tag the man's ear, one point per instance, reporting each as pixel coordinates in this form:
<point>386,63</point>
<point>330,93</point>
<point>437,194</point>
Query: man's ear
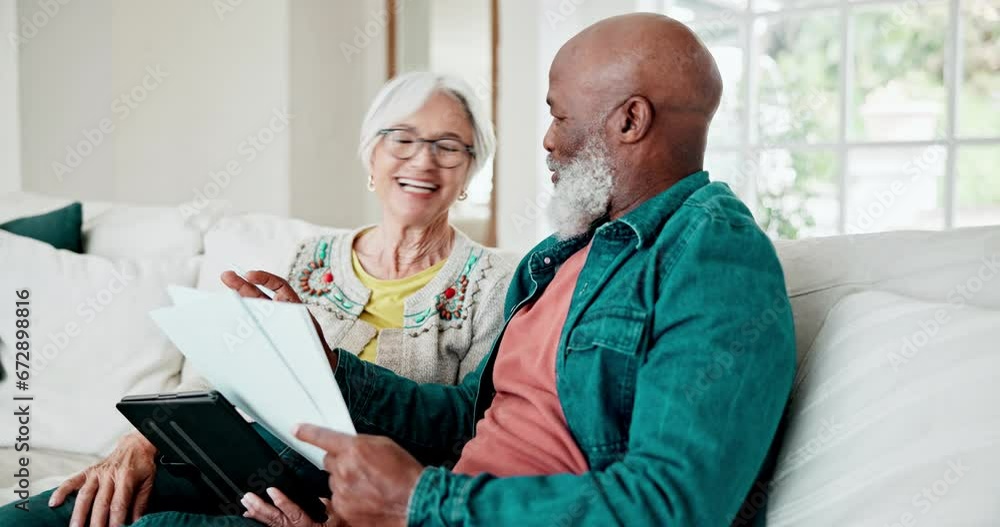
<point>633,119</point>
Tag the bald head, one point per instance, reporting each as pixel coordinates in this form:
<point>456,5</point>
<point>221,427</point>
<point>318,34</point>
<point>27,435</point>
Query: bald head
<point>645,85</point>
<point>646,54</point>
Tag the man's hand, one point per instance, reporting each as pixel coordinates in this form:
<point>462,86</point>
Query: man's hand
<point>112,488</point>
<point>371,477</point>
<point>283,292</point>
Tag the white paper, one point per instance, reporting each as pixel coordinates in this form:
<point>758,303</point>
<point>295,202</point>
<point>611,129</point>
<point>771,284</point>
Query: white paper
<point>294,337</point>
<point>185,295</point>
<point>265,359</point>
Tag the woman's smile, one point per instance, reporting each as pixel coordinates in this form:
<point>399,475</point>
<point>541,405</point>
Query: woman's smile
<point>417,186</point>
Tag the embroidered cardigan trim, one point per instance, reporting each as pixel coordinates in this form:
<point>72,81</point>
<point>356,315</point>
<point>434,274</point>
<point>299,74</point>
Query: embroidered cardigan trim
<point>320,277</point>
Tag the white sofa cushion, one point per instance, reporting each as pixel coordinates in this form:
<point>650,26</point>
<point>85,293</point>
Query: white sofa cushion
<point>947,266</point>
<point>129,232</point>
<point>91,340</point>
<point>118,230</point>
<point>15,205</point>
<point>252,241</point>
<point>893,418</point>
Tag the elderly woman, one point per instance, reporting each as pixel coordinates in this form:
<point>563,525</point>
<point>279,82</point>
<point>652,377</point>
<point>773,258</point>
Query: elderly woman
<point>412,294</point>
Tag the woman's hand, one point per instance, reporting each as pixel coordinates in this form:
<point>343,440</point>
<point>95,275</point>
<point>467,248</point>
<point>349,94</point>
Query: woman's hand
<point>283,292</point>
<point>284,512</point>
<point>111,489</point>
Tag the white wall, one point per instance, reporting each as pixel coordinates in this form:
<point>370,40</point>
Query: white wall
<point>65,86</point>
<point>330,91</point>
<point>226,73</point>
<point>10,133</point>
<point>210,122</point>
<point>227,84</point>
<point>178,89</point>
<point>520,189</point>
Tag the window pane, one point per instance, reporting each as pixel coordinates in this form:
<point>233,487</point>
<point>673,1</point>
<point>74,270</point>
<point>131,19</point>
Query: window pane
<point>778,5</point>
<point>797,193</point>
<point>725,41</point>
<point>689,11</point>
<point>899,55</point>
<point>728,167</point>
<point>978,186</point>
<point>979,98</point>
<point>798,71</point>
<point>895,188</point>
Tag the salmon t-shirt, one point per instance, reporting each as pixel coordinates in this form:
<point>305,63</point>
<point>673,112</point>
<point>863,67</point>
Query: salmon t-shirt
<point>524,431</point>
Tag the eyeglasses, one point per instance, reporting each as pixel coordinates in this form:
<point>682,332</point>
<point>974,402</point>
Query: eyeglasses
<point>404,144</point>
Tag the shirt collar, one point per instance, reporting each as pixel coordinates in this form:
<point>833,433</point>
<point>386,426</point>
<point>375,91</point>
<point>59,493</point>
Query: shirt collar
<point>556,251</point>
<point>645,221</point>
<point>648,218</point>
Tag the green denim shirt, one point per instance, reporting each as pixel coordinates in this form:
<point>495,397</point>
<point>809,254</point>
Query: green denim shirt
<point>673,370</point>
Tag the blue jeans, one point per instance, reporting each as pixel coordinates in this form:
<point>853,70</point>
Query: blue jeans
<point>176,501</point>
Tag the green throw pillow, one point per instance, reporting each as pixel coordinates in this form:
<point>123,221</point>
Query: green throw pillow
<point>59,228</point>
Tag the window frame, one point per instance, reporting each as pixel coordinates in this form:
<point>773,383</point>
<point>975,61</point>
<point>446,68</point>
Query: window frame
<point>750,147</point>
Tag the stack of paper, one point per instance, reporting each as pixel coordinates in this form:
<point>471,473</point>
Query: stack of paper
<point>263,356</point>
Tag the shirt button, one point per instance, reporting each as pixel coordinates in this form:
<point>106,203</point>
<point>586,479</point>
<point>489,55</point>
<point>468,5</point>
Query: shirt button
<point>547,260</point>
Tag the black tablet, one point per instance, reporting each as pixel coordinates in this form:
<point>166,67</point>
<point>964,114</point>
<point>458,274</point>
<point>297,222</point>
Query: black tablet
<point>203,431</point>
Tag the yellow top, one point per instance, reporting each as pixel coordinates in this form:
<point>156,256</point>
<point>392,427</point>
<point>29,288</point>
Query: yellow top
<point>385,306</point>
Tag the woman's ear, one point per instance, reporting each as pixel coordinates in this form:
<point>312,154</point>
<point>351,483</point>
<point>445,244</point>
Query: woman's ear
<point>468,176</point>
<point>372,156</point>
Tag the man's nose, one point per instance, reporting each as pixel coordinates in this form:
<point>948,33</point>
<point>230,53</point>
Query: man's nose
<point>548,142</point>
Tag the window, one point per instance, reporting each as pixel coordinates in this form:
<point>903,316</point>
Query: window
<point>855,116</point>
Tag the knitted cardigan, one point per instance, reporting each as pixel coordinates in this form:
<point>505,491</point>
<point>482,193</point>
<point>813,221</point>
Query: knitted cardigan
<point>448,325</point>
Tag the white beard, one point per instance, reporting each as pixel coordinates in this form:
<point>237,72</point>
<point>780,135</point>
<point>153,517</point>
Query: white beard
<point>583,191</point>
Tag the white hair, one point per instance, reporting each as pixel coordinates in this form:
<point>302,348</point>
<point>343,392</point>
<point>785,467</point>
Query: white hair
<point>405,94</point>
<point>583,191</point>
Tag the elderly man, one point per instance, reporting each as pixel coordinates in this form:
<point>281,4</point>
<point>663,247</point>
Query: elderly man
<point>648,351</point>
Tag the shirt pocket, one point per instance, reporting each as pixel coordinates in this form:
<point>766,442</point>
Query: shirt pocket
<point>614,328</point>
<point>603,352</point>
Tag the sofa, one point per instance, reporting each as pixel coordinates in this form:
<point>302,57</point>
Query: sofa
<point>892,419</point>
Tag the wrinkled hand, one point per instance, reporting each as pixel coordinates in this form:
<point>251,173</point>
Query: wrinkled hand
<point>371,477</point>
<point>283,292</point>
<point>285,512</point>
<point>111,489</point>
